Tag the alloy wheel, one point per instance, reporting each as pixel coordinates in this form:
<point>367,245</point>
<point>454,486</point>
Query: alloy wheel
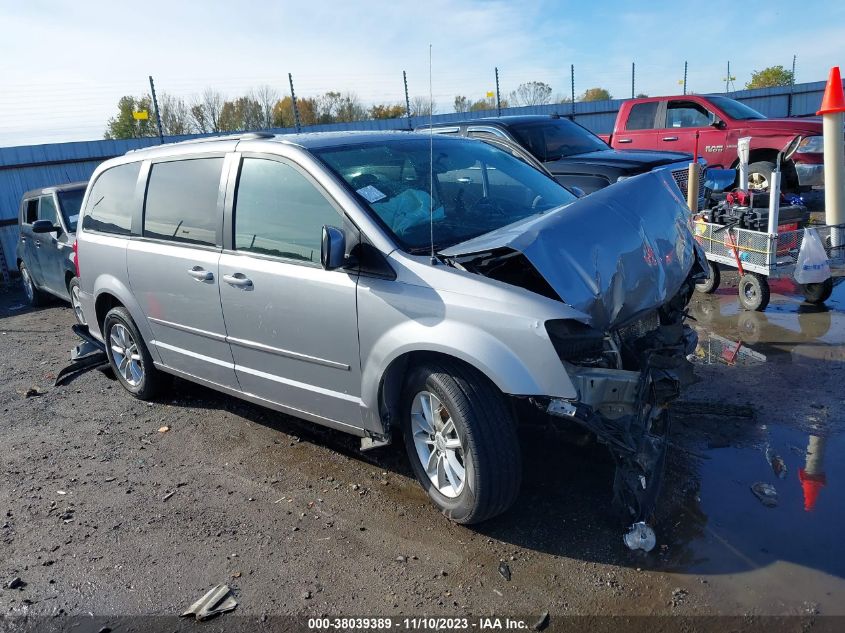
<point>438,444</point>
<point>757,182</point>
<point>126,355</point>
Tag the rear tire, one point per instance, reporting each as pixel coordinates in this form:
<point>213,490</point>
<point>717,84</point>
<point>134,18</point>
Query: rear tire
<point>754,292</point>
<point>465,450</point>
<point>710,285</point>
<point>34,296</point>
<point>818,293</point>
<point>128,356</point>
<point>73,290</point>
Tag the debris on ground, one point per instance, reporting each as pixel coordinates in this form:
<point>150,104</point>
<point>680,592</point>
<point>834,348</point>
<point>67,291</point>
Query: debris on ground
<point>505,571</point>
<point>640,536</point>
<point>218,599</point>
<point>542,622</point>
<point>32,392</point>
<point>678,596</point>
<point>163,429</point>
<point>776,462</point>
<point>766,493</point>
<point>15,583</point>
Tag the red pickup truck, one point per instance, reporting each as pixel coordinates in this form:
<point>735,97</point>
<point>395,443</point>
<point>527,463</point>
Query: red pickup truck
<point>670,123</point>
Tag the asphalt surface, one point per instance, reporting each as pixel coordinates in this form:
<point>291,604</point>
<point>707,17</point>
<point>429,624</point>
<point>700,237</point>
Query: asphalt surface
<point>104,511</point>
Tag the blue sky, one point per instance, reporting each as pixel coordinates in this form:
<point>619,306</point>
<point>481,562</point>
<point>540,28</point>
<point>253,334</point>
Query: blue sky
<point>65,63</point>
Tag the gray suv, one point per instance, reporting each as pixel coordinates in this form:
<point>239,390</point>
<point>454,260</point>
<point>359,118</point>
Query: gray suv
<point>428,288</point>
<point>45,254</point>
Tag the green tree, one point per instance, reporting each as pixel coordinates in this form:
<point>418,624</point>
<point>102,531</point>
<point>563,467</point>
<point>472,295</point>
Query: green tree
<point>642,95</point>
<point>768,77</point>
<point>596,94</point>
<point>244,113</point>
<point>124,124</point>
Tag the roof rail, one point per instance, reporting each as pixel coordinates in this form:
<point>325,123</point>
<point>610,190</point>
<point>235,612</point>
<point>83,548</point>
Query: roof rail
<point>243,136</point>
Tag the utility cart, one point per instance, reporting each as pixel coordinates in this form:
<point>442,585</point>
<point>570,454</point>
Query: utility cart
<point>758,256</point>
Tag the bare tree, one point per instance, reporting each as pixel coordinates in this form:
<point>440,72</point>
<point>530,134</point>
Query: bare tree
<point>205,111</point>
<point>461,103</point>
<point>336,107</point>
<point>175,115</point>
<point>267,97</point>
<point>532,93</point>
<point>422,106</point>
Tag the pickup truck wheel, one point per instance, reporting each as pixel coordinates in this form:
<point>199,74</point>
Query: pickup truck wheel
<point>818,293</point>
<point>128,355</point>
<point>760,175</point>
<point>461,440</point>
<point>709,286</point>
<point>33,295</point>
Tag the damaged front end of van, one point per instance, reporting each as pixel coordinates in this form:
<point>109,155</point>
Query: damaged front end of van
<point>625,259</point>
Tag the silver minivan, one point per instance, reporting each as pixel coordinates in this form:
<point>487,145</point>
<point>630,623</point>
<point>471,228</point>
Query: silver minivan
<point>399,285</point>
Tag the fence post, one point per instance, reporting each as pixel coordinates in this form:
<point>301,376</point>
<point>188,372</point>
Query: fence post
<point>685,77</point>
<point>407,100</point>
<point>295,107</point>
<point>791,89</point>
<point>572,88</point>
<point>498,99</point>
<point>633,75</point>
<point>158,114</point>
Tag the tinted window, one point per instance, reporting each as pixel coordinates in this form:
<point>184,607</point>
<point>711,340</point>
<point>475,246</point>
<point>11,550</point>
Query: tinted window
<point>477,187</point>
<point>279,212</point>
<point>109,206</point>
<point>181,202</point>
<point>687,114</point>
<point>31,211</point>
<point>642,116</point>
<point>70,203</point>
<point>47,210</point>
<point>735,109</point>
<point>555,138</point>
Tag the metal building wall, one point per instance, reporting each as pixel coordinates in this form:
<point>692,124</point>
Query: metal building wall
<point>29,167</point>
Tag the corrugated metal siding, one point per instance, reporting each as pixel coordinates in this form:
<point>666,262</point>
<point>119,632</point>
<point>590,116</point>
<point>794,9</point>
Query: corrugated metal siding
<point>28,167</point>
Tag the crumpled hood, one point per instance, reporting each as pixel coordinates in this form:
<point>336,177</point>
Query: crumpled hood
<point>613,255</point>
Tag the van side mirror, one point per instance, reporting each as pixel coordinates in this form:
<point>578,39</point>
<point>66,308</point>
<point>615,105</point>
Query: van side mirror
<point>579,193</point>
<point>332,248</point>
<point>45,226</point>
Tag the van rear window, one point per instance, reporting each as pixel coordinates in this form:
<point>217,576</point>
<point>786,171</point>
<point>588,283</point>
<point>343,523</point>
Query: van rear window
<point>109,206</point>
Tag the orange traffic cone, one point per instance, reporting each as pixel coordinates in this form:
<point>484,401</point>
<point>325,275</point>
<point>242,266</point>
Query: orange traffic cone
<point>834,98</point>
<point>811,485</point>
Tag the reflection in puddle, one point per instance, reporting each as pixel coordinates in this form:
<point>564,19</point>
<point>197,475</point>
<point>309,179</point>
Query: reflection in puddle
<point>789,364</point>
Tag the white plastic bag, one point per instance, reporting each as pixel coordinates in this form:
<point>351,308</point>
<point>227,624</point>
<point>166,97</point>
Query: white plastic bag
<point>812,266</point>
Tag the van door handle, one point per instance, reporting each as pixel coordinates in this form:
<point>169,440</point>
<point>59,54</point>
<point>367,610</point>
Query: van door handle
<point>200,274</point>
<point>623,140</point>
<point>37,243</point>
<point>670,138</point>
<point>238,280</point>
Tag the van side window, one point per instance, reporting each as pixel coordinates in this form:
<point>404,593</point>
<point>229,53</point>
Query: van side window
<point>181,202</point>
<point>48,211</point>
<point>110,201</point>
<point>31,211</point>
<point>687,114</point>
<point>279,212</point>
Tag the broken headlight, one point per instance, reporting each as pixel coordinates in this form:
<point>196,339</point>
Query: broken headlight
<point>574,341</point>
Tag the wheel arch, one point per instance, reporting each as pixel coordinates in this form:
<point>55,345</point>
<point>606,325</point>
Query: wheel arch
<point>110,292</point>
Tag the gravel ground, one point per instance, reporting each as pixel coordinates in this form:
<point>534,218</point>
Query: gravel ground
<point>112,506</point>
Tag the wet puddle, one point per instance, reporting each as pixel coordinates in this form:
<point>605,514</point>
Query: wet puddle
<point>781,549</point>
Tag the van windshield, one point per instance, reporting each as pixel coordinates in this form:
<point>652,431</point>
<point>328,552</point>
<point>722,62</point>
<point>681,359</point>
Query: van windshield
<point>473,188</point>
<point>71,202</point>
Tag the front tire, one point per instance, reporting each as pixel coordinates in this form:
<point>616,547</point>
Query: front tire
<point>128,355</point>
<point>461,440</point>
<point>754,293</point>
<point>760,175</point>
